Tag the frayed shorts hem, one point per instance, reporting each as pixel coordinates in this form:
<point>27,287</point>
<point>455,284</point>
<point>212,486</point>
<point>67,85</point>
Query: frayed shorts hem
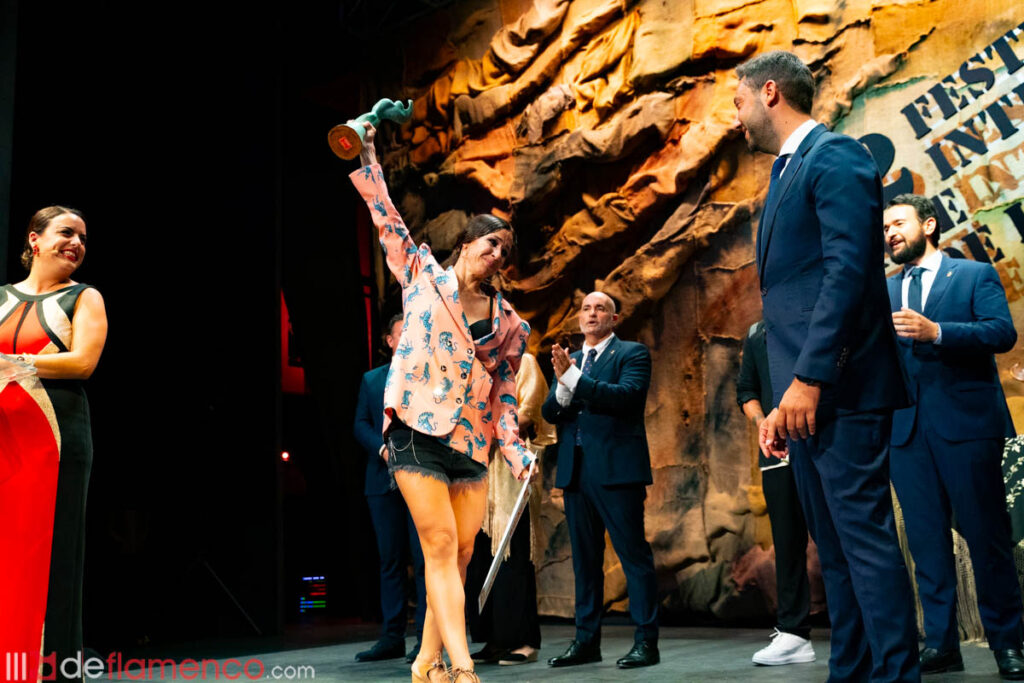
<point>410,451</point>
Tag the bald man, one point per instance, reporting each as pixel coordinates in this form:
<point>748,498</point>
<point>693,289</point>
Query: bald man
<point>604,468</point>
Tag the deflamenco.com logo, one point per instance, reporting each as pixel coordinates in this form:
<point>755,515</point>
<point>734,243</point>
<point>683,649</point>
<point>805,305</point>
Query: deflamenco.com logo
<point>24,666</point>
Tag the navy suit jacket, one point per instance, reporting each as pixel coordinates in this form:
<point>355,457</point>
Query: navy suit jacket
<point>956,383</point>
<point>608,405</point>
<point>369,428</point>
<point>820,262</point>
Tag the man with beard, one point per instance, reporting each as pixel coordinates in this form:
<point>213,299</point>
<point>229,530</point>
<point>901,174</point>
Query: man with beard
<point>833,360</point>
<point>951,316</point>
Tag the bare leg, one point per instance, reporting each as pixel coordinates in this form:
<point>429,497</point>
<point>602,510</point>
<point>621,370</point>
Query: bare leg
<point>431,643</point>
<point>447,523</point>
<point>469,503</point>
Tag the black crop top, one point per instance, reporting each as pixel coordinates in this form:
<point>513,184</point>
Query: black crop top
<point>481,328</point>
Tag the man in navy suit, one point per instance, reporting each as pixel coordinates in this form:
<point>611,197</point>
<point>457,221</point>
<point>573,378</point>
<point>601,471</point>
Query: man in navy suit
<point>833,360</point>
<point>397,542</point>
<point>951,316</point>
<point>604,468</point>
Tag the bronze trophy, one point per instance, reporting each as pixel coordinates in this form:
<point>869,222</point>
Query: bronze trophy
<point>347,140</point>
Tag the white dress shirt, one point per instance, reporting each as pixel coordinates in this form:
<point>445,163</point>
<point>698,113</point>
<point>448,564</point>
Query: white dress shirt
<point>792,143</point>
<point>930,265</point>
<point>567,382</point>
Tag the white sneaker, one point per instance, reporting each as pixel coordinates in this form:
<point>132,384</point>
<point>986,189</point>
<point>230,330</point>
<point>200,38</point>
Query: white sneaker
<point>785,648</point>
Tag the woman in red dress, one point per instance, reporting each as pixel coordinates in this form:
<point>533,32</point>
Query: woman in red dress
<point>59,326</point>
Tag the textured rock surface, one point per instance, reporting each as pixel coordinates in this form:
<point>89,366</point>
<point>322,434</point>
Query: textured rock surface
<point>605,128</point>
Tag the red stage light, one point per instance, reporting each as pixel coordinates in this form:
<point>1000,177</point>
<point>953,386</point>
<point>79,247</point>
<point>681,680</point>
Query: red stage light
<point>285,455</point>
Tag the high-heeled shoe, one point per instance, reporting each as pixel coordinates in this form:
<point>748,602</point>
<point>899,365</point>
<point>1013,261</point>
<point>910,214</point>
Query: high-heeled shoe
<point>466,676</point>
<point>424,676</point>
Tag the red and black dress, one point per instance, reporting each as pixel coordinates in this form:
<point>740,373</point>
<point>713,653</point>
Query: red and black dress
<point>45,458</point>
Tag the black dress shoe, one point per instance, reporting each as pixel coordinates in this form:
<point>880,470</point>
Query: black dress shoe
<point>1010,663</point>
<point>411,656</point>
<point>382,649</point>
<point>644,653</point>
<point>488,655</point>
<point>935,662</point>
<point>578,653</point>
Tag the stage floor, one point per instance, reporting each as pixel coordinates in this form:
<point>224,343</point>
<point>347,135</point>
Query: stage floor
<point>687,654</point>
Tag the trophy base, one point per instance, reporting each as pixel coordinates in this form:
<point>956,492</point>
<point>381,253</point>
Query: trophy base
<point>344,142</point>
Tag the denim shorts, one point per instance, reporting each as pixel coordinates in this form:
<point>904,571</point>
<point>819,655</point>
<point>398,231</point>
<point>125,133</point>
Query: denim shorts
<point>412,451</point>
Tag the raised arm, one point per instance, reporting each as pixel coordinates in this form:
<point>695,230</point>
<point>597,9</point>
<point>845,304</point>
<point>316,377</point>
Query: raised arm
<point>404,258</point>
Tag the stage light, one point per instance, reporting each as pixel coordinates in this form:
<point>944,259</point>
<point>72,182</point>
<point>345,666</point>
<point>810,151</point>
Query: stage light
<point>313,594</point>
<point>285,456</point>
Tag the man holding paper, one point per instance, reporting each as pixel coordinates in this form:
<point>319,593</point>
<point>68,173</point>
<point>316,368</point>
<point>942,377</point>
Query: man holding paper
<point>604,467</point>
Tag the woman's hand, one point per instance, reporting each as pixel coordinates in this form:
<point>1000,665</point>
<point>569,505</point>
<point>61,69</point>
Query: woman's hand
<point>532,472</point>
<point>368,154</point>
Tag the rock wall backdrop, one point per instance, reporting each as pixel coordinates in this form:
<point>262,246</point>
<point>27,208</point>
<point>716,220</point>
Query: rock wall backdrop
<point>604,128</point>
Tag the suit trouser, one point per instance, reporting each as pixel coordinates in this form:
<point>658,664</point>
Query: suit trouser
<point>789,535</point>
<point>935,479</point>
<point>842,477</point>
<point>398,546</point>
<point>590,508</point>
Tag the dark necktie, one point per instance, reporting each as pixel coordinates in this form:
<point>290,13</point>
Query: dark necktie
<point>914,291</point>
<point>588,365</point>
<point>769,205</point>
<point>773,185</point>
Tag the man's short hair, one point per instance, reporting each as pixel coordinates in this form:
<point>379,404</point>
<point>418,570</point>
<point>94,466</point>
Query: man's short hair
<point>791,76</point>
<point>614,302</point>
<point>396,318</point>
<point>924,209</point>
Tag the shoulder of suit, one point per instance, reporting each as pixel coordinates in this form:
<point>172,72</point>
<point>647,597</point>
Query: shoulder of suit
<point>630,345</point>
<point>833,140</point>
<point>370,375</point>
<point>967,265</point>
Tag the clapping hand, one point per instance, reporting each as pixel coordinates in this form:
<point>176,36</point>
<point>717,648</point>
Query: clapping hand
<point>560,360</point>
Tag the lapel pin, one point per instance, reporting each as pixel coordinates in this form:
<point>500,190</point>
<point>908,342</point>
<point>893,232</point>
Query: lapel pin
<point>949,273</point>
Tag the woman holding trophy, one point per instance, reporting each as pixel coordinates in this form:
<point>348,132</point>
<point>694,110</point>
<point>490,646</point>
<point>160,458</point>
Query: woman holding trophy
<point>52,332</point>
<point>450,395</point>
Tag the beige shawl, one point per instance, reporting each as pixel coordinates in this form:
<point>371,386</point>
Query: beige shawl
<point>502,489</point>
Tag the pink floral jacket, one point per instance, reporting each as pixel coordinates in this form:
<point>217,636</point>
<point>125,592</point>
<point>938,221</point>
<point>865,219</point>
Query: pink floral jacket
<point>441,382</point>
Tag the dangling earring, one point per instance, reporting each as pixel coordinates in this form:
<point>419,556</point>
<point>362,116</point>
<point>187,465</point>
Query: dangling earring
<point>35,250</point>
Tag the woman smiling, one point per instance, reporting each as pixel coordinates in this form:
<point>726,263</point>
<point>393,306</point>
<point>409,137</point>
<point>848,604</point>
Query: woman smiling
<point>450,394</point>
<point>59,326</point>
